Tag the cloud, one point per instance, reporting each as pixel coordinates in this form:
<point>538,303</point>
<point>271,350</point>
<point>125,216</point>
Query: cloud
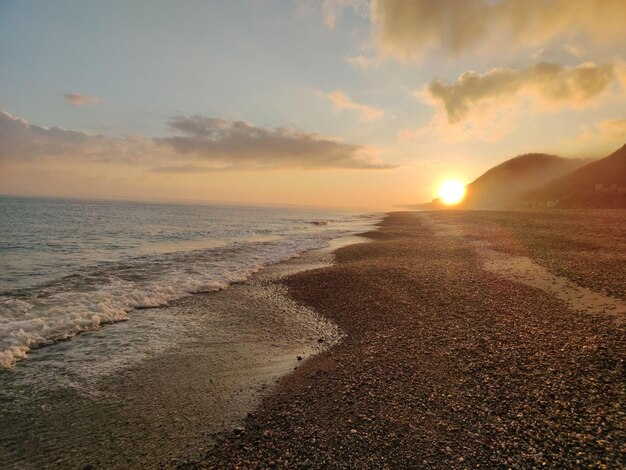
<point>488,124</point>
<point>576,51</point>
<point>607,132</point>
<point>22,141</point>
<point>613,128</point>
<point>76,99</point>
<point>406,134</point>
<point>362,62</point>
<point>546,84</point>
<point>331,9</point>
<point>227,145</point>
<point>407,29</point>
<point>189,168</point>
<point>620,68</point>
<point>242,145</point>
<point>341,102</point>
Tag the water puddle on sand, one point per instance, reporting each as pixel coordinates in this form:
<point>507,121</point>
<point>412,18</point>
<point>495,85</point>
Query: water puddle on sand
<point>524,270</point>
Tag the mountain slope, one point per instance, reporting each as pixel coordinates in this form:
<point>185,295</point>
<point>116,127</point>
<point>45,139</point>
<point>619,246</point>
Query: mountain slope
<point>509,182</point>
<point>600,184</point>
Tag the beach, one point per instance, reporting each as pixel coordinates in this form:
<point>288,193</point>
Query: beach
<point>452,339</point>
<point>338,234</point>
<point>457,353</point>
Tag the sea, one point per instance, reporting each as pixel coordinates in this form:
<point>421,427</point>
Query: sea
<point>72,266</point>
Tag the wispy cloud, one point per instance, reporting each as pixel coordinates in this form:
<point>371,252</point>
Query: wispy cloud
<point>605,132</point>
<point>76,99</point>
<point>341,101</point>
<point>362,62</point>
<point>189,168</point>
<point>409,28</point>
<point>576,51</point>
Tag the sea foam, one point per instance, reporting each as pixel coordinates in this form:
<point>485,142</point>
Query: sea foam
<point>83,302</point>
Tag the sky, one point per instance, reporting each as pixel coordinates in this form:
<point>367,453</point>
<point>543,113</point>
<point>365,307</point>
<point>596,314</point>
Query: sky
<point>348,103</point>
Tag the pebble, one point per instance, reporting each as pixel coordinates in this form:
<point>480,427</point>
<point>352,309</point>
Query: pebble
<point>439,351</point>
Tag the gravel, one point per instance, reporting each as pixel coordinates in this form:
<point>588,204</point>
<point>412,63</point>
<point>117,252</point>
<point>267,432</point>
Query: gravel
<point>444,365</point>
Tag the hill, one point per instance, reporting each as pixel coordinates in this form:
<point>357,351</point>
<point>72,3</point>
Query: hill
<point>508,183</point>
<point>600,184</point>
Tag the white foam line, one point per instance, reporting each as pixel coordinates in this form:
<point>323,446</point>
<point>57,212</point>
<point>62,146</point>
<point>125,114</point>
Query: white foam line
<point>62,312</point>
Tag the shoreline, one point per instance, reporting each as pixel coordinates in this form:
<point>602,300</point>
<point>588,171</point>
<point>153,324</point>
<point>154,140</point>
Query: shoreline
<point>166,407</point>
<point>51,292</point>
<point>445,364</point>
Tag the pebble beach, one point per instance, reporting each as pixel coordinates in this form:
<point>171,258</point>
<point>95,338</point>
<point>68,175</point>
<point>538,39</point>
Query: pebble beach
<point>448,364</point>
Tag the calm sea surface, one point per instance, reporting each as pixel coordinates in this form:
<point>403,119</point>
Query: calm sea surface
<point>68,266</point>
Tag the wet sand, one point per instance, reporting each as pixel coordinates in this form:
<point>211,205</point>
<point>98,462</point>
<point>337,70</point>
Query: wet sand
<point>454,355</point>
<point>228,350</point>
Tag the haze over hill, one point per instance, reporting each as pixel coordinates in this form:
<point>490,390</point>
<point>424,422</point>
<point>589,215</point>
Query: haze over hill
<point>508,183</point>
<point>600,184</point>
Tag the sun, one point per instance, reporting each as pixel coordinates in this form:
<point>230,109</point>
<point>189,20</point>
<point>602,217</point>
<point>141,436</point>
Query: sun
<point>451,192</point>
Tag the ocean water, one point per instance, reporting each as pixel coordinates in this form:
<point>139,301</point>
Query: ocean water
<point>69,266</point>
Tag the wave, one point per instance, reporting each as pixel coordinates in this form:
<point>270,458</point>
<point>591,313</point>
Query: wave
<point>108,293</point>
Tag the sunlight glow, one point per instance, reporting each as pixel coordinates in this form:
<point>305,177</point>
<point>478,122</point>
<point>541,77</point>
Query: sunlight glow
<point>451,192</point>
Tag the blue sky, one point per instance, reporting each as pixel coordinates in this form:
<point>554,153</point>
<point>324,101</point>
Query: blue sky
<point>149,60</point>
<point>356,75</point>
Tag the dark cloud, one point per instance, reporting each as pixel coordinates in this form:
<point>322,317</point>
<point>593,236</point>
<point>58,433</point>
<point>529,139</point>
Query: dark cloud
<point>243,145</point>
